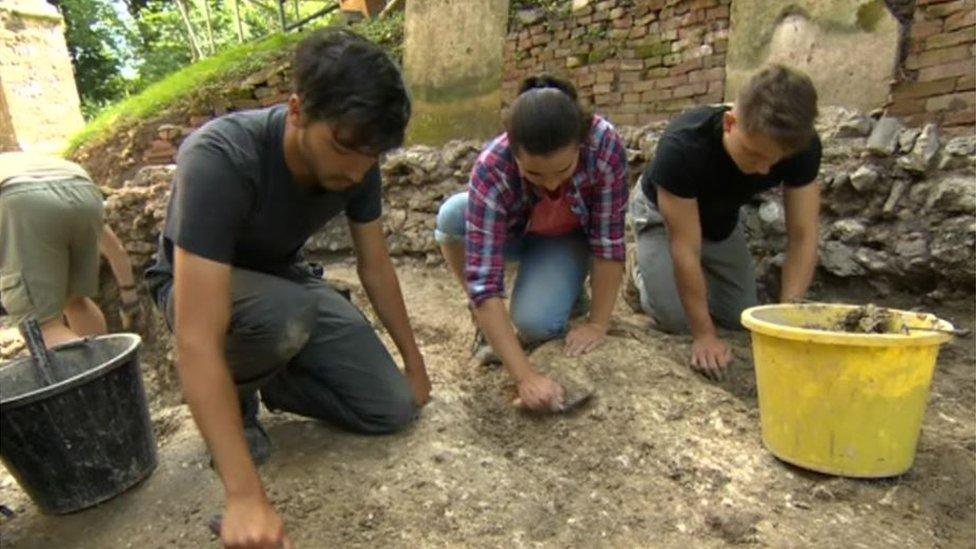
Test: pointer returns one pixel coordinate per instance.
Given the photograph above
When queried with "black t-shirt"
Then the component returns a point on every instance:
(691, 162)
(234, 200)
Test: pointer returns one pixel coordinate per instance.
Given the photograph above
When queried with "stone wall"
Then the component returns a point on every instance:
(39, 105)
(938, 83)
(899, 206)
(634, 61)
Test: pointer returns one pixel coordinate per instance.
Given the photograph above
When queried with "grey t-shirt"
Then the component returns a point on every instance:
(234, 200)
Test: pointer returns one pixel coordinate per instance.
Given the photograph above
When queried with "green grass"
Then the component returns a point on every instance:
(235, 62)
(219, 70)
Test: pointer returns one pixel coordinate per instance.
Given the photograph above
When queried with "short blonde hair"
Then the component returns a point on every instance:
(779, 102)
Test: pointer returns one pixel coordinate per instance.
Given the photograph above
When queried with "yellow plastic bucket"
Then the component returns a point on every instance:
(842, 403)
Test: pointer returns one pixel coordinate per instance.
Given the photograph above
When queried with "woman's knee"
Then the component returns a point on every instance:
(451, 218)
(536, 326)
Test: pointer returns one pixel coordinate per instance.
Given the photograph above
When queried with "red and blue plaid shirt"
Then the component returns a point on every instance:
(500, 204)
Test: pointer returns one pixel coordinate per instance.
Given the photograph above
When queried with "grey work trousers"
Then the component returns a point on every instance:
(310, 352)
(727, 265)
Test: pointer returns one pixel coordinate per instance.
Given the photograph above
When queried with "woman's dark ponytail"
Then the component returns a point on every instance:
(546, 116)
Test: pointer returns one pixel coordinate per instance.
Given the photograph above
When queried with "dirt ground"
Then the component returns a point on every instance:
(661, 458)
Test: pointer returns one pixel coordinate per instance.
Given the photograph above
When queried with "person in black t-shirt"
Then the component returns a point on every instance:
(248, 313)
(693, 267)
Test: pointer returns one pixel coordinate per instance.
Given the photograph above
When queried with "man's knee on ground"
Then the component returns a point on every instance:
(672, 321)
(286, 327)
(395, 412)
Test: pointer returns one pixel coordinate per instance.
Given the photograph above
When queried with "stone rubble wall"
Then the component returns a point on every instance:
(898, 204)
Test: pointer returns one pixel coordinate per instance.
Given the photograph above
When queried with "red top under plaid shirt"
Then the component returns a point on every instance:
(499, 205)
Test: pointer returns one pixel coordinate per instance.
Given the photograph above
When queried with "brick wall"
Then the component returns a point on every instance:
(634, 61)
(937, 83)
(264, 88)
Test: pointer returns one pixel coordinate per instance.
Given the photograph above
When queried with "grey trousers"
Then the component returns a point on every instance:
(727, 265)
(310, 352)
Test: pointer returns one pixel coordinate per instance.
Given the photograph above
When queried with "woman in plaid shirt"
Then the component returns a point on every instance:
(551, 194)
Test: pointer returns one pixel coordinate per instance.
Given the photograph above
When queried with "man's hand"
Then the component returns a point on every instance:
(540, 393)
(251, 522)
(416, 373)
(584, 338)
(710, 356)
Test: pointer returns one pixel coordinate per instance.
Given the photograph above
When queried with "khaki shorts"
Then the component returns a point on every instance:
(49, 233)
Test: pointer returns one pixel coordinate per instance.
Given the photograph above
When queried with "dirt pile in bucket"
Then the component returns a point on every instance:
(868, 319)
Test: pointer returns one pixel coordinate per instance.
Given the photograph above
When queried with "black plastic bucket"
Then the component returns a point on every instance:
(85, 438)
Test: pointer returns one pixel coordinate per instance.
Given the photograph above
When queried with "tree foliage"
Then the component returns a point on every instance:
(118, 47)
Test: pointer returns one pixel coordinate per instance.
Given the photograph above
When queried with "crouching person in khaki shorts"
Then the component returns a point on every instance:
(51, 233)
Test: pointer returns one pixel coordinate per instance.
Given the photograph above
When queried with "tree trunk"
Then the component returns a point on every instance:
(195, 51)
(237, 18)
(210, 37)
(393, 6)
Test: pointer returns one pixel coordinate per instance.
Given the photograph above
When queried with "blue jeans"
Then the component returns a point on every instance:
(550, 276)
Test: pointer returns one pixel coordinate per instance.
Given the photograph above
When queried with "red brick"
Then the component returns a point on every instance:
(621, 119)
(951, 102)
(604, 77)
(960, 117)
(632, 65)
(714, 60)
(956, 68)
(612, 98)
(945, 8)
(631, 77)
(622, 23)
(925, 28)
(689, 90)
(930, 2)
(939, 56)
(710, 98)
(906, 107)
(603, 88)
(630, 108)
(717, 73)
(638, 32)
(671, 82)
(702, 4)
(912, 90)
(960, 20)
(655, 95)
(721, 12)
(677, 104)
(965, 35)
(717, 87)
(586, 79)
(643, 85)
(687, 66)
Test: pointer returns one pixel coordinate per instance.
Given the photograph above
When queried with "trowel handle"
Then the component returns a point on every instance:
(30, 330)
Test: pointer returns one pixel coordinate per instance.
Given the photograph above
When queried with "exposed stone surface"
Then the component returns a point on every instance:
(884, 139)
(878, 220)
